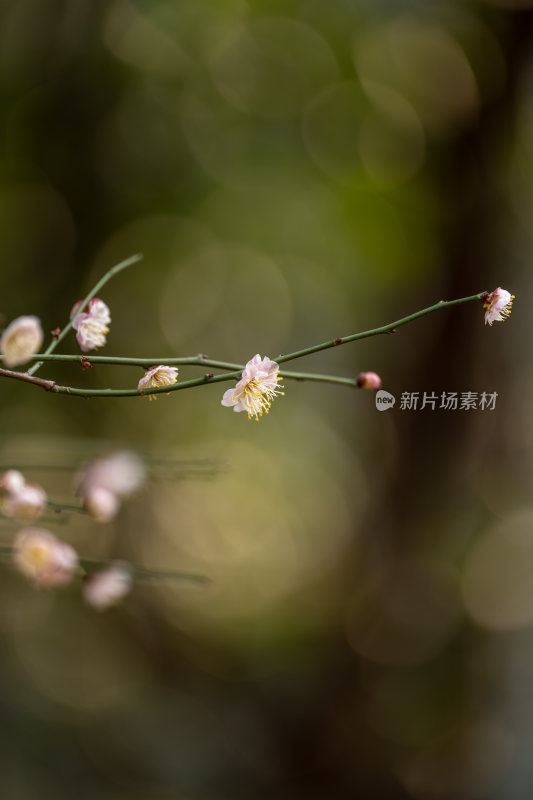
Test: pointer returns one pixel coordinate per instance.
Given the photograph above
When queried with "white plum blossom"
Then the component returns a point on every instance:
(108, 586)
(257, 388)
(157, 376)
(368, 380)
(22, 501)
(121, 473)
(42, 558)
(102, 483)
(25, 504)
(21, 340)
(497, 305)
(92, 325)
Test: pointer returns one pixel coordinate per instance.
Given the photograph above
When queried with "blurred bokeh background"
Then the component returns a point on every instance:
(292, 171)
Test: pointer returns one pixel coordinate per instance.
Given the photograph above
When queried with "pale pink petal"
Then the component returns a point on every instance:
(229, 398)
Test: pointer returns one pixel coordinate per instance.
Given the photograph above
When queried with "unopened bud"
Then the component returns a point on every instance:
(368, 380)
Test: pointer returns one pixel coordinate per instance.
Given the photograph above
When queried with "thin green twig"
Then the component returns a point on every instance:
(94, 291)
(58, 507)
(199, 360)
(90, 565)
(145, 573)
(390, 328)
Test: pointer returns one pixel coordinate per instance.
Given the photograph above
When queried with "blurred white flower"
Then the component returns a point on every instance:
(121, 473)
(368, 380)
(101, 503)
(44, 559)
(11, 480)
(92, 325)
(157, 376)
(102, 483)
(21, 340)
(26, 503)
(20, 500)
(257, 388)
(108, 586)
(497, 305)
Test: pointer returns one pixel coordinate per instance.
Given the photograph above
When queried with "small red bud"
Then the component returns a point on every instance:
(85, 363)
(55, 333)
(209, 375)
(337, 341)
(368, 380)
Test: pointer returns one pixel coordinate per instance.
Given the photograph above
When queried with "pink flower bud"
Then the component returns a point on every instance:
(44, 559)
(21, 340)
(108, 586)
(369, 380)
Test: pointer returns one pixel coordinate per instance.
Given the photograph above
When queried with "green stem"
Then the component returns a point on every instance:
(390, 328)
(142, 573)
(90, 565)
(199, 360)
(58, 507)
(94, 291)
(281, 359)
(236, 370)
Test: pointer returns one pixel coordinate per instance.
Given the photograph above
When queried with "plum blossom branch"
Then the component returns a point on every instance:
(128, 262)
(235, 369)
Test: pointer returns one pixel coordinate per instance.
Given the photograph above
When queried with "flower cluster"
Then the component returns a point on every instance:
(49, 562)
(21, 340)
(92, 324)
(105, 482)
(157, 376)
(257, 388)
(22, 501)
